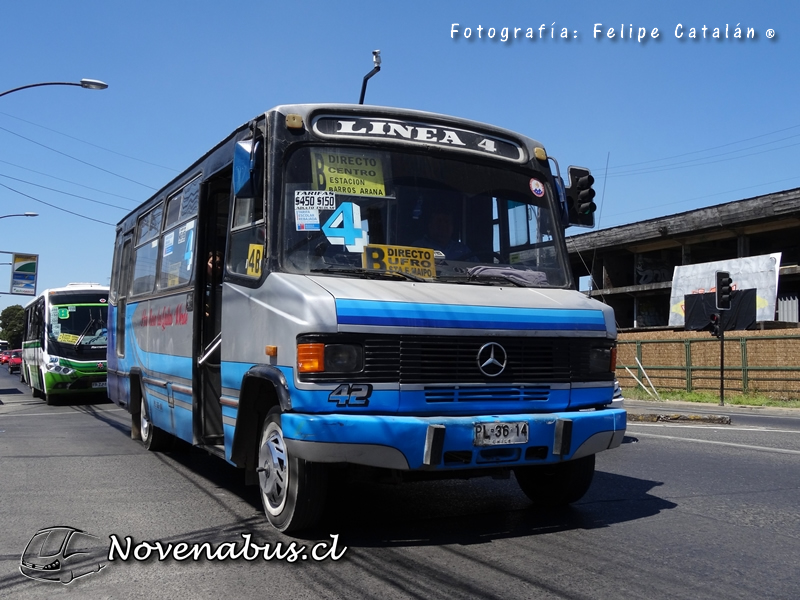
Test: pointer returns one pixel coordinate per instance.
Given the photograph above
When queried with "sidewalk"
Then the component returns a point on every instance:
(697, 412)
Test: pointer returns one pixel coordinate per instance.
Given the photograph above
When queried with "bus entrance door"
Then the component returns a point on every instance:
(209, 418)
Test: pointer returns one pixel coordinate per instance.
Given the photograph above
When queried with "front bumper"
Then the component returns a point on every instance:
(413, 443)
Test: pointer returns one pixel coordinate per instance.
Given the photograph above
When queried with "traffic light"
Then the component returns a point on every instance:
(580, 197)
(724, 289)
(715, 325)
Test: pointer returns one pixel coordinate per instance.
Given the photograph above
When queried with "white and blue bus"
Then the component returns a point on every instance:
(338, 288)
(64, 340)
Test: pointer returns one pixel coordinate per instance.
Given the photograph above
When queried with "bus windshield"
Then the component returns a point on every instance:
(75, 327)
(365, 212)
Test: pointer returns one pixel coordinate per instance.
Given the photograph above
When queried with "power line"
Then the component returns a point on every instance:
(709, 149)
(91, 144)
(56, 207)
(696, 163)
(77, 159)
(65, 193)
(738, 189)
(134, 200)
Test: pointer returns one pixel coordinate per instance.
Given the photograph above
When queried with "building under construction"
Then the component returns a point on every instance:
(631, 267)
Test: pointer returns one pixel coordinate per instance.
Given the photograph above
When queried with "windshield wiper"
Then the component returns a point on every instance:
(86, 329)
(517, 277)
(496, 277)
(368, 272)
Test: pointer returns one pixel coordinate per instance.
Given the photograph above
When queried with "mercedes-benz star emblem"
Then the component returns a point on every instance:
(492, 359)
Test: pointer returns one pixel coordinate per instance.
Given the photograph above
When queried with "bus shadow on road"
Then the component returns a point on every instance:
(481, 510)
(370, 514)
(82, 400)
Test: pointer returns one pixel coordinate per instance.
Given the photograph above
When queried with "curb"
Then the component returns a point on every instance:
(679, 418)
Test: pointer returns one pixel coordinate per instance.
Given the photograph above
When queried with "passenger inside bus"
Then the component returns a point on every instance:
(440, 236)
(213, 292)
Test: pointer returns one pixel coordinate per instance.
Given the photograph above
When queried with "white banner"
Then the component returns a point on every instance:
(759, 272)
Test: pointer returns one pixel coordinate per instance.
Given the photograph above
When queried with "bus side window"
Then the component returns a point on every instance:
(123, 283)
(178, 239)
(247, 251)
(248, 237)
(146, 254)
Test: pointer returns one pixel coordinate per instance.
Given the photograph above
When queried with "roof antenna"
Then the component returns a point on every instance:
(376, 60)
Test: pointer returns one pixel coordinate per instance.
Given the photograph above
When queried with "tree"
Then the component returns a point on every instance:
(11, 321)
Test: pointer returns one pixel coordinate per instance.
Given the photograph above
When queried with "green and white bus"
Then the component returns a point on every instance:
(64, 341)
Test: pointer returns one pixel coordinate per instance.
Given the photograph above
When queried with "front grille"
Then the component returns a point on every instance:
(85, 383)
(426, 360)
(437, 360)
(486, 393)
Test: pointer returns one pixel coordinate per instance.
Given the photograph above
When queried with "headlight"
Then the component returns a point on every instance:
(54, 368)
(602, 359)
(343, 358)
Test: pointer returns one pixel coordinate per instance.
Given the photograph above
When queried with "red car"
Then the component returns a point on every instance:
(14, 361)
(4, 355)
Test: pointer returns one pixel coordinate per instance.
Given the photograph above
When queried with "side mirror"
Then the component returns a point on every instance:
(248, 169)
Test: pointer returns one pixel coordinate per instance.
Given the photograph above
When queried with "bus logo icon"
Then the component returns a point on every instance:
(62, 554)
(492, 359)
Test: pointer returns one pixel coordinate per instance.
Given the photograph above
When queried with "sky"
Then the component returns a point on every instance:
(667, 122)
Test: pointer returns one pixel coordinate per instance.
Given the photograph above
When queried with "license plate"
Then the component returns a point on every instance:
(499, 434)
(98, 384)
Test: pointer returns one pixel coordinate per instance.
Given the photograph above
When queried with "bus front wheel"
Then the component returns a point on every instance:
(292, 489)
(559, 484)
(34, 391)
(48, 398)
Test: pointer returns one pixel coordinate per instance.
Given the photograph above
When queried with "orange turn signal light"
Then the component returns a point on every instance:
(310, 358)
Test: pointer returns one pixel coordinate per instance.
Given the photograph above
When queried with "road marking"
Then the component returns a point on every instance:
(726, 428)
(745, 446)
(61, 414)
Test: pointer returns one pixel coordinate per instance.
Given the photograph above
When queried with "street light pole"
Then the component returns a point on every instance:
(27, 214)
(89, 84)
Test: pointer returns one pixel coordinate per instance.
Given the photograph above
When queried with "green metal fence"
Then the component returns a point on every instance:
(767, 365)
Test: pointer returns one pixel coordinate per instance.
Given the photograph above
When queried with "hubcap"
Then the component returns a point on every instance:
(273, 469)
(144, 422)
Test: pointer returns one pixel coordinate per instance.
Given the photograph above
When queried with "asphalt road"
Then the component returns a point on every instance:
(679, 511)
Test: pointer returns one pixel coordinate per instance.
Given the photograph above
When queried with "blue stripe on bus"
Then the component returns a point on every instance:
(413, 314)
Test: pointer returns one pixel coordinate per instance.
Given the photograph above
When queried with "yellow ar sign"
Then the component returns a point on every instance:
(351, 173)
(402, 259)
(255, 254)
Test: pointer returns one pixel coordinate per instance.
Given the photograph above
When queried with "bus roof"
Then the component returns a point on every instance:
(77, 288)
(306, 110)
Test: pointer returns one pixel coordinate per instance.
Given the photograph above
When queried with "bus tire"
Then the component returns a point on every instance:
(292, 489)
(48, 398)
(559, 484)
(34, 392)
(153, 438)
